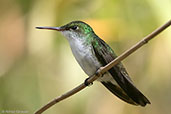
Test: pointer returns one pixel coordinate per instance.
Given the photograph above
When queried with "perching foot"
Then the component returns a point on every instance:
(87, 83)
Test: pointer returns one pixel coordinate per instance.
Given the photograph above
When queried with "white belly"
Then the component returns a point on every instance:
(85, 57)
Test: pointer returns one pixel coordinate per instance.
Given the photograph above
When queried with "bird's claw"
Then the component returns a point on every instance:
(86, 83)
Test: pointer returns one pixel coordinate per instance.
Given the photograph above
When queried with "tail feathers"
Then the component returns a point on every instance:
(128, 87)
(135, 94)
(134, 99)
(119, 92)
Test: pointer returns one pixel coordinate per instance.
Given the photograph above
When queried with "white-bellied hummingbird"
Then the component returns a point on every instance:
(91, 53)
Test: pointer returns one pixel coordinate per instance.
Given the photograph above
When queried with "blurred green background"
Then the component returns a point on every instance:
(37, 65)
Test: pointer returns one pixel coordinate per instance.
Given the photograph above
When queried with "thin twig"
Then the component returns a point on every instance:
(104, 69)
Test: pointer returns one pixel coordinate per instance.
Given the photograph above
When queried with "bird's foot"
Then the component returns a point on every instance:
(86, 83)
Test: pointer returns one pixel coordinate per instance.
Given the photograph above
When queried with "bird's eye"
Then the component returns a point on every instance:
(74, 27)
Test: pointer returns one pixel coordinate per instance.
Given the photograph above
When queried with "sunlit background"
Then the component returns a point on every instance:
(37, 65)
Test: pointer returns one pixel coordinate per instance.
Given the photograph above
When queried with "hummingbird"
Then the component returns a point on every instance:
(91, 53)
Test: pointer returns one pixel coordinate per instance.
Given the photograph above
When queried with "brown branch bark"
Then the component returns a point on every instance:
(104, 69)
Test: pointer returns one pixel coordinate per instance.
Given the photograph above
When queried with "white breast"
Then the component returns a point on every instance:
(84, 57)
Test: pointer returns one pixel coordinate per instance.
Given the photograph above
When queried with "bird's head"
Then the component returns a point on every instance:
(72, 30)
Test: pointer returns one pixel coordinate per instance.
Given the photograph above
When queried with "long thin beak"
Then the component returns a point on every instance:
(51, 28)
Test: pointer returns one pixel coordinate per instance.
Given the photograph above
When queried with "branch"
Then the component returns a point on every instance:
(104, 69)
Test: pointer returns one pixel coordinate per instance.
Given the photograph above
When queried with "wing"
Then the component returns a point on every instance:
(105, 55)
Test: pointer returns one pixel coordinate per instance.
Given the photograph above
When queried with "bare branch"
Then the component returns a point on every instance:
(104, 69)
